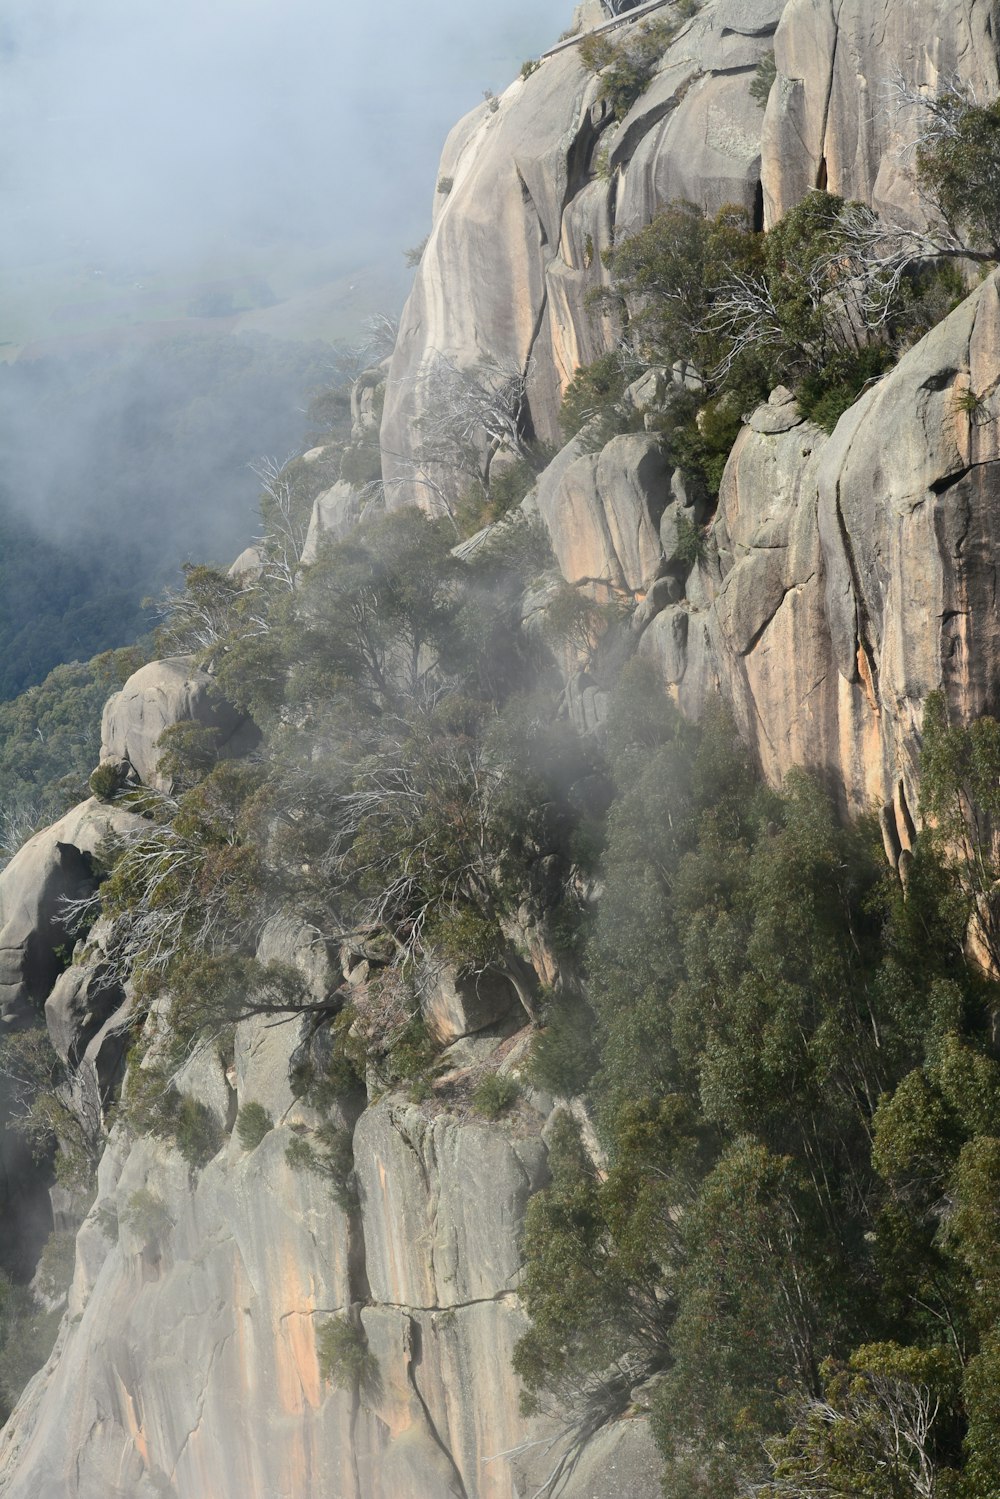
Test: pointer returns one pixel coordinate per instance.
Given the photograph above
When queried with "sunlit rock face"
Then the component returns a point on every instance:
(831, 119)
(188, 1361)
(848, 576)
(531, 193)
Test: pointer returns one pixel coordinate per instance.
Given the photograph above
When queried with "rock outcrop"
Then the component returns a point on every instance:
(849, 576)
(160, 695)
(531, 193)
(53, 866)
(188, 1363)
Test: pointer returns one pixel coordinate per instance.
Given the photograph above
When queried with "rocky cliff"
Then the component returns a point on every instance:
(844, 577)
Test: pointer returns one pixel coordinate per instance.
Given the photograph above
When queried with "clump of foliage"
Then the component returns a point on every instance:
(494, 1094)
(689, 547)
(146, 1216)
(56, 1265)
(345, 1360)
(330, 1154)
(595, 391)
(564, 1054)
(956, 167)
(762, 82)
(151, 1103)
(253, 1124)
(412, 793)
(805, 305)
(38, 1094)
(625, 64)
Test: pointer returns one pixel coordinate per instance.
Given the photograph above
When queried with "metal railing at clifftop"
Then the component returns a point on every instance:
(625, 19)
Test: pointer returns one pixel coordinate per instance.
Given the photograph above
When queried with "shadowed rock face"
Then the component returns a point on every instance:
(54, 865)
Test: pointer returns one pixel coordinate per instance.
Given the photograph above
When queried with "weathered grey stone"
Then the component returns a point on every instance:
(830, 120)
(191, 1355)
(54, 865)
(83, 998)
(517, 241)
(602, 512)
(435, 1239)
(162, 694)
(780, 414)
(335, 513)
(622, 1459)
(586, 702)
(665, 644)
(249, 564)
(455, 1004)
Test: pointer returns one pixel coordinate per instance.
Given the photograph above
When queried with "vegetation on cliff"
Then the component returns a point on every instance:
(796, 1082)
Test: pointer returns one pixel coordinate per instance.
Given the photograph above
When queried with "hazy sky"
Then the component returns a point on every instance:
(172, 125)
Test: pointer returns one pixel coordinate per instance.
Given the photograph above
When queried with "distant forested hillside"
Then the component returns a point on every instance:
(117, 464)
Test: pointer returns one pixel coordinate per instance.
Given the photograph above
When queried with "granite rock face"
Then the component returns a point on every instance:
(831, 119)
(531, 193)
(54, 865)
(848, 576)
(160, 695)
(188, 1363)
(843, 577)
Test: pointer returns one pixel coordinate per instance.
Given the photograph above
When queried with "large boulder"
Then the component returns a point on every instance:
(54, 866)
(335, 513)
(160, 695)
(602, 512)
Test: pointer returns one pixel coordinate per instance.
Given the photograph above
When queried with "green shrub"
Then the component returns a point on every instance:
(146, 1216)
(415, 254)
(412, 1052)
(361, 464)
(690, 545)
(565, 1054)
(253, 1122)
(531, 66)
(594, 391)
(824, 395)
(494, 1095)
(762, 82)
(104, 781)
(345, 1360)
(332, 1157)
(197, 1133)
(445, 185)
(326, 1077)
(57, 1265)
(626, 65)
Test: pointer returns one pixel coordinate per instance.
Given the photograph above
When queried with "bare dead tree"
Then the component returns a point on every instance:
(281, 543)
(890, 1422)
(475, 411)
